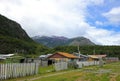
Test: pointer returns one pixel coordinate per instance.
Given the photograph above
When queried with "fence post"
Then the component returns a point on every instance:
(0, 71)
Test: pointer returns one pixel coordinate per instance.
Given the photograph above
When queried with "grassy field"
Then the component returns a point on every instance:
(43, 70)
(109, 72)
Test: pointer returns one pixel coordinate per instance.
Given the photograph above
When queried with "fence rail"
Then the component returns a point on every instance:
(14, 70)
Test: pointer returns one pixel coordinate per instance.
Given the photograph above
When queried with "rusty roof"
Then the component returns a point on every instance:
(67, 55)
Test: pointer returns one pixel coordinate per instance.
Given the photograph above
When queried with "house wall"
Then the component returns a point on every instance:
(92, 59)
(60, 59)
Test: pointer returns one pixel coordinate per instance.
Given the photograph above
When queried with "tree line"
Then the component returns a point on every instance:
(111, 51)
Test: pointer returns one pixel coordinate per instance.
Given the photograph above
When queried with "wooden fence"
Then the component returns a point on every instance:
(61, 66)
(64, 65)
(87, 63)
(14, 70)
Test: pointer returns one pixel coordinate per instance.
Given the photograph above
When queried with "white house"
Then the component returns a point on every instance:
(5, 56)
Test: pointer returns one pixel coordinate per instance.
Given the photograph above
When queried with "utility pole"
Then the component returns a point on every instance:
(79, 51)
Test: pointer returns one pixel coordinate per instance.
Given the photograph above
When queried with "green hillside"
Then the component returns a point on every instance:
(14, 39)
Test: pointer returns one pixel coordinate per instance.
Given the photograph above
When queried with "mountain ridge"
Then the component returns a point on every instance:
(12, 29)
(53, 41)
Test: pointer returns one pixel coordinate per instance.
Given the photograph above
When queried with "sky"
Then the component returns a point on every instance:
(97, 20)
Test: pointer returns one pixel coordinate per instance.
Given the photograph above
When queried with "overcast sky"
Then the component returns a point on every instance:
(98, 20)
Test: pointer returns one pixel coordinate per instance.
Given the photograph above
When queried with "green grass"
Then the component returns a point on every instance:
(46, 69)
(109, 72)
(69, 76)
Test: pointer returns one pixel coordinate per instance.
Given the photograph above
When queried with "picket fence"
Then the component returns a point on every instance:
(15, 70)
(64, 65)
(61, 66)
(87, 63)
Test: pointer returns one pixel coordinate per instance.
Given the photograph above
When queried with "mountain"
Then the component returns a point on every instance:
(12, 29)
(13, 38)
(54, 41)
(51, 41)
(80, 41)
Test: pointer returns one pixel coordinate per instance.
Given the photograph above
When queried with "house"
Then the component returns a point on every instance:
(44, 60)
(81, 57)
(96, 57)
(62, 56)
(5, 56)
(44, 57)
(26, 60)
(111, 59)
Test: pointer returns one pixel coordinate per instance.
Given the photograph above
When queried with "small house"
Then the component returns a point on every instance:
(44, 60)
(81, 57)
(96, 57)
(5, 56)
(111, 59)
(44, 57)
(62, 56)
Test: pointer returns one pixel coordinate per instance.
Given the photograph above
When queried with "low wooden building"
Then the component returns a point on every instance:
(111, 59)
(96, 57)
(62, 56)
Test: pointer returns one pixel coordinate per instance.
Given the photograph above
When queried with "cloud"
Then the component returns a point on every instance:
(58, 17)
(104, 37)
(113, 15)
(99, 23)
